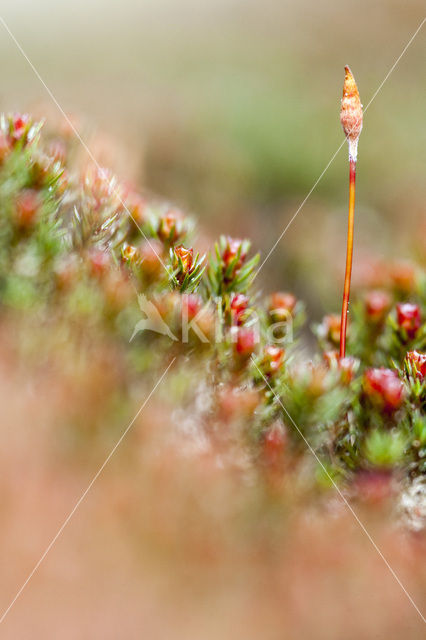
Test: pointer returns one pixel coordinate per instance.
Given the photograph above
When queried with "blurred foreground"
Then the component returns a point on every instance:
(177, 538)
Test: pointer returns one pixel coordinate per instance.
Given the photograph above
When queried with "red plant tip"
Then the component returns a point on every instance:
(20, 121)
(331, 358)
(233, 246)
(184, 258)
(408, 318)
(384, 389)
(129, 254)
(351, 113)
(19, 126)
(377, 305)
(170, 226)
(330, 328)
(233, 255)
(346, 366)
(246, 341)
(273, 358)
(417, 362)
(281, 305)
(239, 304)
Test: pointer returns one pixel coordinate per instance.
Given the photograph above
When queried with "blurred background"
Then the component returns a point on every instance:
(230, 109)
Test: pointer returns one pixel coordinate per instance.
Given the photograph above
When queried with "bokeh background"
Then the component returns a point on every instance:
(230, 109)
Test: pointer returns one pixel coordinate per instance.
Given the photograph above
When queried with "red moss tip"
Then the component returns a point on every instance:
(238, 306)
(384, 389)
(185, 256)
(417, 362)
(409, 318)
(273, 358)
(246, 341)
(377, 305)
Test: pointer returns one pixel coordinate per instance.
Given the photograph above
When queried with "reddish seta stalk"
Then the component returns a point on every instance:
(349, 255)
(351, 119)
